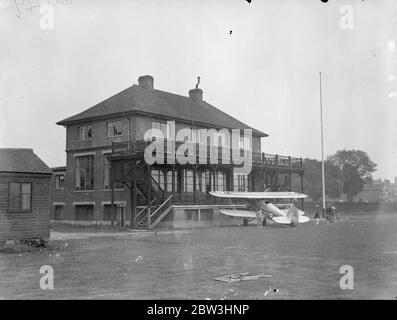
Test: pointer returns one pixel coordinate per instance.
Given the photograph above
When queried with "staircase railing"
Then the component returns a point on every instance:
(137, 217)
(159, 218)
(141, 212)
(158, 189)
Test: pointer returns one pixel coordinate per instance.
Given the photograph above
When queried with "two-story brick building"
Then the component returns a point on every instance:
(105, 148)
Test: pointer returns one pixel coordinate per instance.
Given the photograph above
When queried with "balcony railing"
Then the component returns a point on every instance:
(212, 154)
(203, 199)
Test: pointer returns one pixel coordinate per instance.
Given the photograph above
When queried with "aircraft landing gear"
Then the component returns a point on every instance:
(264, 222)
(245, 221)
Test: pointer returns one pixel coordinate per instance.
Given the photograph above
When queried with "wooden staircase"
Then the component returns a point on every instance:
(156, 216)
(157, 194)
(159, 206)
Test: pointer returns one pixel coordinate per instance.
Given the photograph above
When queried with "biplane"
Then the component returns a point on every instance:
(285, 213)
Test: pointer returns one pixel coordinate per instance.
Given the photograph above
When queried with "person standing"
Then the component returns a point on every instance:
(337, 215)
(317, 214)
(259, 219)
(328, 213)
(333, 214)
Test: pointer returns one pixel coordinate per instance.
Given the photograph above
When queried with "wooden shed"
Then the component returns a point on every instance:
(24, 195)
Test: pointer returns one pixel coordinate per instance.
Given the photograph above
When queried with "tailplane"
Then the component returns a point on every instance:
(296, 216)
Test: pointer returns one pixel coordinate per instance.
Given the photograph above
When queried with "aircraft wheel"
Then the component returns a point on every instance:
(245, 221)
(264, 222)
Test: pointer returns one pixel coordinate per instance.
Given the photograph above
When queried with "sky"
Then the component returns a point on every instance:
(258, 61)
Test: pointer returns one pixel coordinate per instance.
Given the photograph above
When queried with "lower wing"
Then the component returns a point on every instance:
(252, 214)
(239, 213)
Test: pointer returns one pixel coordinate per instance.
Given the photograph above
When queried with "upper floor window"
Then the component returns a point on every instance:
(85, 133)
(211, 137)
(244, 143)
(85, 172)
(20, 197)
(163, 127)
(59, 180)
(192, 135)
(113, 128)
(241, 143)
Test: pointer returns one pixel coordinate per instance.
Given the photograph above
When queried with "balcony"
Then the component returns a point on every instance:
(212, 155)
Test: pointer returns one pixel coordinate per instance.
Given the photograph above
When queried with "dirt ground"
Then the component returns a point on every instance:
(304, 262)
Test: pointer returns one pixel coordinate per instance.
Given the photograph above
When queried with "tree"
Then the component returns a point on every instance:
(353, 183)
(333, 180)
(357, 168)
(312, 181)
(357, 159)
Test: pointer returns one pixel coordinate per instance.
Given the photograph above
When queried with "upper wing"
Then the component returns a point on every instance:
(258, 195)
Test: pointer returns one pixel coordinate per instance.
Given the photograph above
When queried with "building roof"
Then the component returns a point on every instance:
(57, 169)
(373, 187)
(137, 99)
(22, 161)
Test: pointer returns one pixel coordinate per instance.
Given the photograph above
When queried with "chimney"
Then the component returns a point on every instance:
(196, 94)
(146, 82)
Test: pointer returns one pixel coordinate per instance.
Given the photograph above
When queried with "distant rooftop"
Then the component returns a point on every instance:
(22, 161)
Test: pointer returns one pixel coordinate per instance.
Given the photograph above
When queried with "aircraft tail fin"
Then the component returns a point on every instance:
(293, 214)
(296, 215)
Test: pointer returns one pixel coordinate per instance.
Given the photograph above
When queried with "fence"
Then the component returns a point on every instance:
(356, 207)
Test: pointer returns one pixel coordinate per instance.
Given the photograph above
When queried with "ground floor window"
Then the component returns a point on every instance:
(240, 182)
(20, 197)
(169, 180)
(206, 180)
(221, 181)
(192, 215)
(200, 180)
(106, 175)
(85, 172)
(199, 214)
(158, 176)
(109, 214)
(206, 214)
(84, 212)
(187, 180)
(58, 212)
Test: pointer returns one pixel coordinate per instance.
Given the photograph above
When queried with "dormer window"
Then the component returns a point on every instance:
(113, 129)
(85, 133)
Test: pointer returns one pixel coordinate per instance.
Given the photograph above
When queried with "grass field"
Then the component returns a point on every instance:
(304, 263)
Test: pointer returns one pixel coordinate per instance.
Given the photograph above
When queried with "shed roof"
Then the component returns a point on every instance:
(21, 160)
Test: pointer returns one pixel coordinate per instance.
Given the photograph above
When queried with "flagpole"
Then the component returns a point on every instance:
(322, 147)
